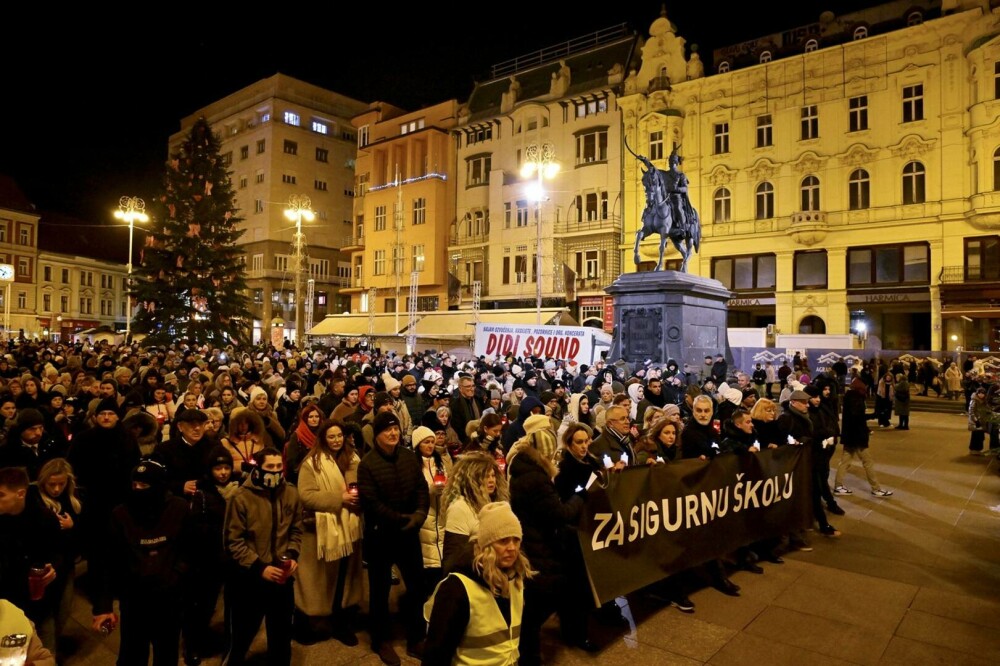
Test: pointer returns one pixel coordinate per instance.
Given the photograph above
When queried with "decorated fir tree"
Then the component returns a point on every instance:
(190, 285)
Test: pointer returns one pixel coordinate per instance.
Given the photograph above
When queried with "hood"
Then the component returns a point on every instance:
(529, 403)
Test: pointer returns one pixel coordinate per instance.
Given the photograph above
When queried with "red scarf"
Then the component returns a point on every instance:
(305, 435)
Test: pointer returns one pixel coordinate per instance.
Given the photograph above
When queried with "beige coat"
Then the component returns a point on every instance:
(316, 581)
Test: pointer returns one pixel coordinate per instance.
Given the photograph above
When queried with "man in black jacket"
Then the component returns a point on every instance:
(185, 453)
(395, 499)
(465, 407)
(28, 445)
(150, 549)
(796, 426)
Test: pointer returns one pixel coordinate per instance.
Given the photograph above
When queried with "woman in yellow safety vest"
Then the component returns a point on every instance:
(474, 615)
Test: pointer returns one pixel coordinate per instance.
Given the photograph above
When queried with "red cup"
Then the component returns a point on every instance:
(285, 563)
(439, 479)
(36, 588)
(717, 426)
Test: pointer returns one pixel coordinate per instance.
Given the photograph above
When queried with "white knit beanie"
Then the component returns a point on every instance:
(497, 521)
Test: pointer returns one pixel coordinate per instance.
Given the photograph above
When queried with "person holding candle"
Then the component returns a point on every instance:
(436, 465)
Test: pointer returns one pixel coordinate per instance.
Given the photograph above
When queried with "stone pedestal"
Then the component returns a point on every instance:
(666, 315)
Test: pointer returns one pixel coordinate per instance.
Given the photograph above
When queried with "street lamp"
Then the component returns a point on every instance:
(131, 210)
(299, 208)
(539, 160)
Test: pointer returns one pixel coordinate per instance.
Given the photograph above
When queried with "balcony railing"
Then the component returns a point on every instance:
(466, 239)
(353, 241)
(609, 225)
(957, 275)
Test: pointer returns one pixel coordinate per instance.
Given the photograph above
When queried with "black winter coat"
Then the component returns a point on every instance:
(545, 517)
(183, 461)
(393, 491)
(574, 472)
(698, 440)
(854, 430)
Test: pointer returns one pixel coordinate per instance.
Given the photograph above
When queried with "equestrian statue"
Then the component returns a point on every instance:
(668, 210)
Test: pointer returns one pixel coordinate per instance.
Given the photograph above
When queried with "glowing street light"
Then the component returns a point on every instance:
(131, 210)
(539, 160)
(299, 208)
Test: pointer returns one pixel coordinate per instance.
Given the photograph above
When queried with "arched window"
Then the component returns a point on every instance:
(812, 45)
(663, 72)
(861, 32)
(765, 56)
(914, 18)
(859, 188)
(812, 325)
(723, 67)
(913, 183)
(723, 205)
(996, 169)
(765, 201)
(810, 193)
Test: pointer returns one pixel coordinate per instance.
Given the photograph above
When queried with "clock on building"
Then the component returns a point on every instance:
(6, 272)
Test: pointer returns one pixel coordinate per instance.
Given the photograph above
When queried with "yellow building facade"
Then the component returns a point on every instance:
(403, 206)
(846, 173)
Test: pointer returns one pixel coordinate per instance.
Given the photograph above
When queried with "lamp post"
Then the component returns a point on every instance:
(539, 160)
(131, 210)
(299, 208)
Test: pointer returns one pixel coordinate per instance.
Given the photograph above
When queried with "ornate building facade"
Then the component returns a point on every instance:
(847, 172)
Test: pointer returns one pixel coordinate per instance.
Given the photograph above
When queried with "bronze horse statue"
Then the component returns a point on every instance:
(668, 211)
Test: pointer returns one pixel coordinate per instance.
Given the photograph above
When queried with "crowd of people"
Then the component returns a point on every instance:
(279, 480)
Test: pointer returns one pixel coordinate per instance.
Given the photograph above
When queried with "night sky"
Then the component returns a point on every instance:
(90, 98)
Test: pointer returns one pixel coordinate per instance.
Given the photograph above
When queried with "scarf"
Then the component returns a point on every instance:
(305, 435)
(335, 534)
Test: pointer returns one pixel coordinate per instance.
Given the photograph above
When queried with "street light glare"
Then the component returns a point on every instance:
(535, 191)
(528, 169)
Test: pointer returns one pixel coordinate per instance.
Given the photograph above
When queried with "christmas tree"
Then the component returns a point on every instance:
(190, 285)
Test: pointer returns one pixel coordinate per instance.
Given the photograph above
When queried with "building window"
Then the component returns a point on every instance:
(322, 155)
(320, 128)
(47, 302)
(47, 273)
(261, 144)
(592, 147)
(291, 147)
(412, 126)
(258, 205)
(722, 205)
(996, 170)
(258, 296)
(765, 131)
(861, 32)
(3, 232)
(258, 177)
(723, 67)
(588, 265)
(913, 183)
(812, 45)
(291, 118)
(477, 170)
(23, 267)
(319, 185)
(507, 214)
(996, 80)
(475, 135)
(858, 113)
(65, 276)
(752, 272)
(380, 218)
(288, 179)
(765, 56)
(765, 201)
(522, 213)
(281, 262)
(418, 257)
(86, 279)
(913, 103)
(227, 158)
(888, 265)
(656, 145)
(810, 122)
(243, 182)
(810, 270)
(858, 188)
(86, 305)
(244, 152)
(982, 258)
(810, 193)
(24, 236)
(22, 301)
(257, 263)
(362, 136)
(419, 210)
(721, 138)
(591, 107)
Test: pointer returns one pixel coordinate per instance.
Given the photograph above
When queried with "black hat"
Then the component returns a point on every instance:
(29, 418)
(381, 399)
(150, 472)
(813, 390)
(191, 416)
(220, 455)
(383, 421)
(107, 405)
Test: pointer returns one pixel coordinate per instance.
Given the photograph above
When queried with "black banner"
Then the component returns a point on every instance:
(651, 522)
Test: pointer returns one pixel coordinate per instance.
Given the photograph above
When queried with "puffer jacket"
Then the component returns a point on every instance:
(432, 531)
(262, 525)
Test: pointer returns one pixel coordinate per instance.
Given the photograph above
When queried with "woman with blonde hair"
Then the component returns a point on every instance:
(329, 573)
(246, 437)
(56, 489)
(475, 481)
(764, 416)
(475, 614)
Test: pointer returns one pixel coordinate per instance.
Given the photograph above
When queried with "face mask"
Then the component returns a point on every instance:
(266, 479)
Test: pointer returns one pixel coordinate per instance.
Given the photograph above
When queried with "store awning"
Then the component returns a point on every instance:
(357, 326)
(461, 323)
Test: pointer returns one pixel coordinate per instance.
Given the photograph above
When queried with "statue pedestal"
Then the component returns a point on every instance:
(664, 315)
